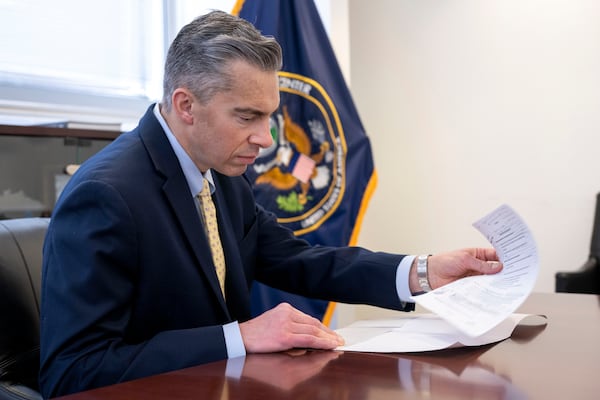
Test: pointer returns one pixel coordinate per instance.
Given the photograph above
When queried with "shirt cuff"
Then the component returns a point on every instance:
(402, 279)
(233, 340)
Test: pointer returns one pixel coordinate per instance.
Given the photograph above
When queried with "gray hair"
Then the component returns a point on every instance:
(199, 57)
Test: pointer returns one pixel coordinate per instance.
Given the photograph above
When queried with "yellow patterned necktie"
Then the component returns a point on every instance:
(209, 214)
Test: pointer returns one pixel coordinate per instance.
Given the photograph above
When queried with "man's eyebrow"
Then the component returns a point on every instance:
(253, 111)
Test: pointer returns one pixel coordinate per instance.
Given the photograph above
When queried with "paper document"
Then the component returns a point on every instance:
(476, 304)
(471, 311)
(422, 332)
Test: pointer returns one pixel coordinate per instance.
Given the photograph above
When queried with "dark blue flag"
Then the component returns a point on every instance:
(318, 176)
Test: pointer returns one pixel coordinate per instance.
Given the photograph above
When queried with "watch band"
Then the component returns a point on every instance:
(422, 273)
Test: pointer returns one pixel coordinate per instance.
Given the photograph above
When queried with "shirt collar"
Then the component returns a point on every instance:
(192, 174)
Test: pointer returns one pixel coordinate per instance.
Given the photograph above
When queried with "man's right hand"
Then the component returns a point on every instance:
(285, 327)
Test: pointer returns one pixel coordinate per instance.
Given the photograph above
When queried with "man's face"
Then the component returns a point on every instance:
(228, 131)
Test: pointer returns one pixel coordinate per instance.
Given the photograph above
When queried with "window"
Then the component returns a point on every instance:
(98, 61)
(79, 55)
(103, 47)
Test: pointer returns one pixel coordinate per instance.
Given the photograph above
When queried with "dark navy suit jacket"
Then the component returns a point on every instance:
(128, 283)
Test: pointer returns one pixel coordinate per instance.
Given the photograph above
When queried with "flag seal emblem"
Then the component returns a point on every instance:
(301, 177)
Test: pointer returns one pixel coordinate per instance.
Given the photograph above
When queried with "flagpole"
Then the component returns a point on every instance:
(237, 7)
(363, 208)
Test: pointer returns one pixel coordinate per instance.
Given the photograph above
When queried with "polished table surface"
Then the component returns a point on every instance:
(559, 360)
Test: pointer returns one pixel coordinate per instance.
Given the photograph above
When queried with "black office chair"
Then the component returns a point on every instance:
(20, 276)
(587, 278)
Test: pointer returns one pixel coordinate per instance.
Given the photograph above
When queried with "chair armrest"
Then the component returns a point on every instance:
(14, 392)
(585, 280)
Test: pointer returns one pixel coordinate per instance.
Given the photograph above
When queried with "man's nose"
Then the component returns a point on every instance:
(263, 137)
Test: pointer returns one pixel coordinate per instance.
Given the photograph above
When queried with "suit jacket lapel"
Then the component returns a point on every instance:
(177, 192)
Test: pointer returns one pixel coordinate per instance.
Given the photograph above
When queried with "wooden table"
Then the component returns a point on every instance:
(560, 360)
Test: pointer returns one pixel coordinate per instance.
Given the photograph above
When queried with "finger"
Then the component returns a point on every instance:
(324, 342)
(485, 267)
(308, 327)
(486, 254)
(318, 331)
(308, 331)
(492, 267)
(302, 318)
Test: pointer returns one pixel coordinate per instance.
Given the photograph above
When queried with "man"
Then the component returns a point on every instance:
(130, 287)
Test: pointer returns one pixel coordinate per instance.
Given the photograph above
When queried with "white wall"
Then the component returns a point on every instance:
(470, 104)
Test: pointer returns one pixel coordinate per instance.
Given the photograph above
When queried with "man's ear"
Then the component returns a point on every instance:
(182, 101)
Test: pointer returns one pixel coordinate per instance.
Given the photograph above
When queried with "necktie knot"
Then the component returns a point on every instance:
(205, 192)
